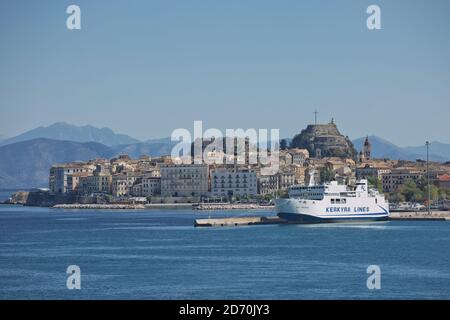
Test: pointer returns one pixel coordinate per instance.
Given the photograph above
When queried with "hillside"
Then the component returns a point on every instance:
(382, 148)
(27, 164)
(67, 132)
(155, 149)
(324, 139)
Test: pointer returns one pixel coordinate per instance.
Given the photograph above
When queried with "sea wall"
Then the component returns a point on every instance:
(46, 199)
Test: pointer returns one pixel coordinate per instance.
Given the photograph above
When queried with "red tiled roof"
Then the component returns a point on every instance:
(444, 177)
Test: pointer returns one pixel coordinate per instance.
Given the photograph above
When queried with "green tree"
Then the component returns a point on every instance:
(283, 144)
(434, 193)
(375, 183)
(326, 175)
(411, 192)
(396, 197)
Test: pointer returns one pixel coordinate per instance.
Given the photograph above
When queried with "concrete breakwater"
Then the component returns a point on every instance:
(124, 206)
(435, 215)
(46, 199)
(99, 206)
(232, 206)
(238, 221)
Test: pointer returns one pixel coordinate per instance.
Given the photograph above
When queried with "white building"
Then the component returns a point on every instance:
(367, 171)
(299, 156)
(184, 180)
(395, 180)
(59, 181)
(147, 186)
(100, 182)
(232, 182)
(122, 184)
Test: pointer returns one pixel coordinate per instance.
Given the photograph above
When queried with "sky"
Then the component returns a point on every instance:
(146, 68)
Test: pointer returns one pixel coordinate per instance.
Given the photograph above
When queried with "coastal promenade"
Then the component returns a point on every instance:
(125, 206)
(420, 215)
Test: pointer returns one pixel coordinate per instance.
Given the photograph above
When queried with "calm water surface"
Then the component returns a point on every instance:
(158, 254)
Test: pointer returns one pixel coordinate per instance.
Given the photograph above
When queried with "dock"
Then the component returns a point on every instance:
(238, 221)
(232, 206)
(420, 216)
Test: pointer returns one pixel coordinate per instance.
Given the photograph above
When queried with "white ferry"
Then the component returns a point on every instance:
(332, 202)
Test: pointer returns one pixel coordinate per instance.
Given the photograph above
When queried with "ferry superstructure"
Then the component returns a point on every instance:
(332, 202)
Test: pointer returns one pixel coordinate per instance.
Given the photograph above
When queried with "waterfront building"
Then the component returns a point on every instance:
(75, 181)
(299, 172)
(59, 176)
(233, 182)
(444, 181)
(285, 179)
(282, 180)
(146, 186)
(394, 180)
(99, 182)
(184, 180)
(267, 184)
(367, 171)
(151, 186)
(122, 184)
(298, 156)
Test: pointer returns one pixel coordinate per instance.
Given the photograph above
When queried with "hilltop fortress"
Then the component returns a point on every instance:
(324, 140)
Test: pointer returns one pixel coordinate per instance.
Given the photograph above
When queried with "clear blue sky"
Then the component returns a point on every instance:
(147, 67)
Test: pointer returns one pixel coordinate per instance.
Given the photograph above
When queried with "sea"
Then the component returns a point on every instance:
(159, 254)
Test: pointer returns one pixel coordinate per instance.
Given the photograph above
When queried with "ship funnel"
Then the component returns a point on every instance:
(361, 186)
(313, 177)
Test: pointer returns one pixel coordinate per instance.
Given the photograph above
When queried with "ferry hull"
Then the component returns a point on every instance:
(309, 219)
(301, 211)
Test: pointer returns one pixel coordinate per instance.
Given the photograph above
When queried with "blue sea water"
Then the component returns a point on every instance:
(156, 254)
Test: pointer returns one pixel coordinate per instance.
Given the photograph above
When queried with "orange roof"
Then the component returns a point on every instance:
(444, 177)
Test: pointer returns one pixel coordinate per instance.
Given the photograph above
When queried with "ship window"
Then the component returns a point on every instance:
(344, 201)
(332, 201)
(338, 201)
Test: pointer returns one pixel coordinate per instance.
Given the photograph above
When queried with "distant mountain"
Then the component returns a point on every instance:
(68, 132)
(437, 148)
(26, 164)
(382, 148)
(165, 140)
(155, 148)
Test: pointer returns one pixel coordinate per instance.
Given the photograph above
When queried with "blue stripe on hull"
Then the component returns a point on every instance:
(304, 218)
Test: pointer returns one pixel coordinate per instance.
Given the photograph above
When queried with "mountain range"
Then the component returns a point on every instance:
(25, 160)
(69, 132)
(26, 164)
(382, 148)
